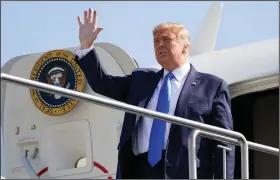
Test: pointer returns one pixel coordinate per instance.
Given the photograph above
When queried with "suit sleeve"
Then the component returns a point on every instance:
(222, 117)
(114, 87)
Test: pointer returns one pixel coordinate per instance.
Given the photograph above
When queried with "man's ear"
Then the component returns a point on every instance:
(185, 47)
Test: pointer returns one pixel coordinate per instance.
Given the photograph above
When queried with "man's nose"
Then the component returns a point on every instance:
(161, 44)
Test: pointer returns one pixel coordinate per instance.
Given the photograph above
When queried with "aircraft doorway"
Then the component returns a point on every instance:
(256, 116)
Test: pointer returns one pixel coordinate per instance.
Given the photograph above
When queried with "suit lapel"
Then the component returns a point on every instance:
(189, 86)
(151, 85)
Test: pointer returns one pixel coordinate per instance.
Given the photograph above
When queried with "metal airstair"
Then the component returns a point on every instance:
(199, 129)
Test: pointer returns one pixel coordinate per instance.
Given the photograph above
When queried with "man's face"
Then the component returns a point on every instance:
(168, 49)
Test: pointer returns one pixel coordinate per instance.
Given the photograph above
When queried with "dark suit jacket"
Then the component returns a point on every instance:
(204, 98)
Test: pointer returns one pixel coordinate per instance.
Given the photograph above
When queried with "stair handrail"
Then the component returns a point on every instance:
(137, 110)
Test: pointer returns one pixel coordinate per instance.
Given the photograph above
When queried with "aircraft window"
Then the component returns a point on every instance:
(81, 163)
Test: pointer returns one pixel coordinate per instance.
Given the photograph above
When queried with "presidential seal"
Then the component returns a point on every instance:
(57, 68)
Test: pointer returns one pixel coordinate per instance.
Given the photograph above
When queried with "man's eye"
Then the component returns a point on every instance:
(167, 39)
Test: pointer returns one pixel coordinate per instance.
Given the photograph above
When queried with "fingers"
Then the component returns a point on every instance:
(85, 17)
(90, 16)
(94, 19)
(79, 21)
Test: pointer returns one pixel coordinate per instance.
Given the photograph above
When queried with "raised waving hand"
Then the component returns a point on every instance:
(88, 31)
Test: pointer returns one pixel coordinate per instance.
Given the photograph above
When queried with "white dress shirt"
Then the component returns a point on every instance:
(141, 139)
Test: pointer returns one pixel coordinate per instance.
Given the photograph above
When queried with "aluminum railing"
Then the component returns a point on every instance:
(223, 133)
(192, 150)
(225, 149)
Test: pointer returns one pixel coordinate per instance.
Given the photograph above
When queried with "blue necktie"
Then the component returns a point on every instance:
(158, 128)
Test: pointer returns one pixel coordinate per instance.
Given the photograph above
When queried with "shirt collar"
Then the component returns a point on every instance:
(180, 72)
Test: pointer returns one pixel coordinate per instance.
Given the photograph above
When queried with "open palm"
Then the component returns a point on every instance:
(88, 31)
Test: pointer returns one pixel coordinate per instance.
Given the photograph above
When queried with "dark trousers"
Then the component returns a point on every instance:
(138, 167)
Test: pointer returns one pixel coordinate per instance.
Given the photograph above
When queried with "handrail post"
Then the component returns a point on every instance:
(225, 149)
(192, 154)
(192, 151)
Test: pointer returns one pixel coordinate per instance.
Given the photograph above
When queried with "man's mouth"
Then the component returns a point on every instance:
(161, 53)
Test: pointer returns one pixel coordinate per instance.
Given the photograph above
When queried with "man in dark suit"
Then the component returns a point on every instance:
(151, 148)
